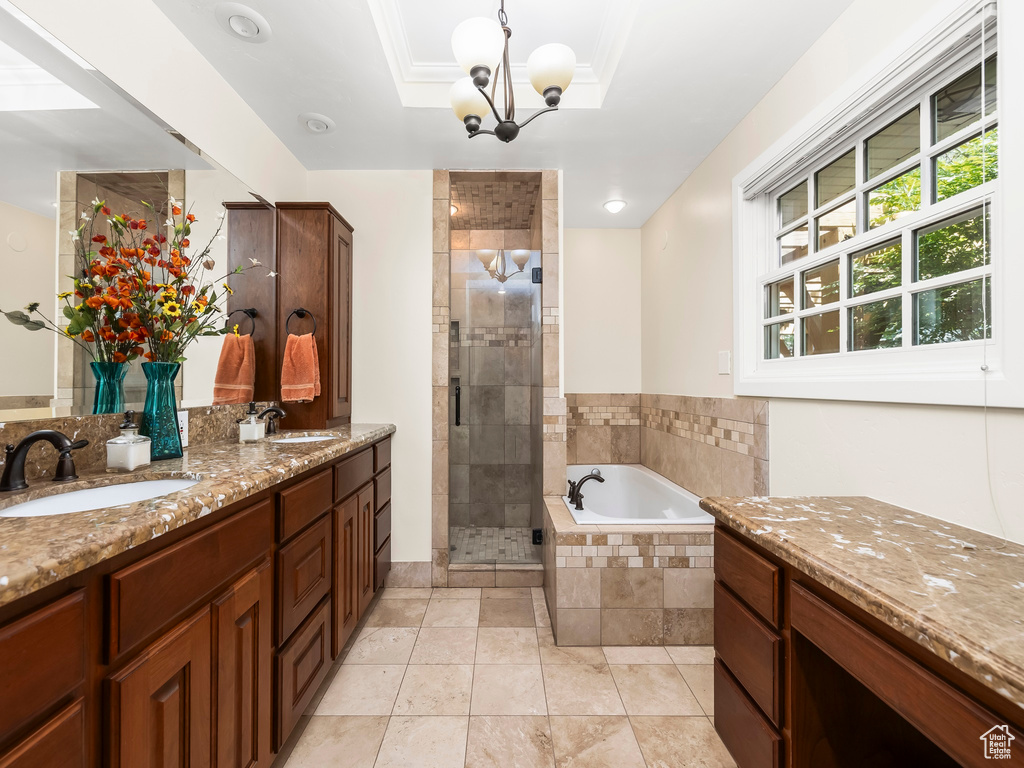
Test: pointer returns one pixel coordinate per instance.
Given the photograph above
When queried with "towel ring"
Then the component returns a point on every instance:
(249, 312)
(301, 312)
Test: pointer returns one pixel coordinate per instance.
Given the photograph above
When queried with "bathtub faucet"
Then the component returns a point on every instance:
(575, 489)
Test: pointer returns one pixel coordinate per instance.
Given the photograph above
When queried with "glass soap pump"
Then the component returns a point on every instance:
(250, 428)
(129, 450)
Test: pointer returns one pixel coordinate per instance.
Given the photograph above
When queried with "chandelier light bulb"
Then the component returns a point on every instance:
(486, 257)
(614, 206)
(551, 66)
(478, 42)
(467, 100)
(455, 209)
(520, 257)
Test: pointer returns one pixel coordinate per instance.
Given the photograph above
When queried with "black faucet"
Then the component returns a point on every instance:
(14, 468)
(575, 495)
(272, 414)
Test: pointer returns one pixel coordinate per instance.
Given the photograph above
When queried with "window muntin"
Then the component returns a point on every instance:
(780, 298)
(877, 269)
(779, 339)
(821, 285)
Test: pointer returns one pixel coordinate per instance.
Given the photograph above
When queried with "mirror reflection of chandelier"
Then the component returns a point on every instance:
(497, 265)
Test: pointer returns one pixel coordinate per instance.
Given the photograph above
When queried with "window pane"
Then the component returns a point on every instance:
(959, 104)
(821, 285)
(894, 199)
(878, 325)
(877, 269)
(963, 167)
(778, 340)
(835, 179)
(953, 313)
(895, 143)
(793, 205)
(837, 225)
(954, 245)
(821, 333)
(780, 298)
(793, 245)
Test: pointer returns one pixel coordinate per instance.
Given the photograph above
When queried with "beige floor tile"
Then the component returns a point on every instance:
(595, 742)
(342, 742)
(424, 742)
(581, 689)
(516, 612)
(445, 645)
(456, 593)
(507, 645)
(652, 689)
(406, 593)
(691, 654)
(508, 689)
(509, 742)
(383, 645)
(664, 739)
(701, 679)
(579, 654)
(362, 690)
(397, 613)
(540, 613)
(507, 593)
(636, 654)
(435, 689)
(452, 613)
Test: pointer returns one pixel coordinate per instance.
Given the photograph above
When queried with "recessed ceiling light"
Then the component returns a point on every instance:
(242, 22)
(316, 123)
(614, 206)
(455, 209)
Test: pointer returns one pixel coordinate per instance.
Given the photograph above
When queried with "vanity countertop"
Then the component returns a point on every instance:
(37, 551)
(957, 592)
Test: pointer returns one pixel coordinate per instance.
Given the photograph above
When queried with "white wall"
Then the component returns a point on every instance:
(930, 459)
(601, 316)
(391, 212)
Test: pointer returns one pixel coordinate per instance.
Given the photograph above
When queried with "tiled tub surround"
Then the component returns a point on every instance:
(956, 592)
(39, 551)
(603, 428)
(627, 585)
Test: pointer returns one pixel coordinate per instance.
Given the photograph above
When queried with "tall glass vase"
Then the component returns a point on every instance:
(109, 396)
(160, 416)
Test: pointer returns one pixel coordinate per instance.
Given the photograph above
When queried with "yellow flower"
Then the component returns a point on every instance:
(169, 291)
(228, 289)
(167, 295)
(172, 308)
(235, 330)
(64, 295)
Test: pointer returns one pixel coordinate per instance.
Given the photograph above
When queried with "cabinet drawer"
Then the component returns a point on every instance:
(382, 488)
(302, 666)
(352, 473)
(303, 503)
(749, 575)
(304, 575)
(751, 739)
(382, 455)
(381, 527)
(750, 650)
(152, 593)
(59, 743)
(381, 565)
(43, 660)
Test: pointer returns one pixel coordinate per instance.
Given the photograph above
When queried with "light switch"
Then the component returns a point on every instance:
(724, 363)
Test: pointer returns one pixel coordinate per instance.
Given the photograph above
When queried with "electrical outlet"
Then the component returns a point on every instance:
(724, 363)
(183, 427)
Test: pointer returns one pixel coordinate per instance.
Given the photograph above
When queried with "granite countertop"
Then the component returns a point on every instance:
(957, 592)
(37, 551)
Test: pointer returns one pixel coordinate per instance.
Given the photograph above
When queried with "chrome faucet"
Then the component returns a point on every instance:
(575, 495)
(272, 414)
(14, 467)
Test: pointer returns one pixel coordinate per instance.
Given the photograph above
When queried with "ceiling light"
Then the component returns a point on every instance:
(243, 26)
(242, 22)
(455, 209)
(614, 206)
(481, 48)
(316, 123)
(497, 265)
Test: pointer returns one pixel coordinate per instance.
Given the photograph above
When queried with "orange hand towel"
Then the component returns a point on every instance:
(236, 371)
(300, 372)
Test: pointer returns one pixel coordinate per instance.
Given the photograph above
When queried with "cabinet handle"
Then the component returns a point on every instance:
(458, 405)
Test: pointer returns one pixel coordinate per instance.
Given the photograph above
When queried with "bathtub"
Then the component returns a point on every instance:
(633, 495)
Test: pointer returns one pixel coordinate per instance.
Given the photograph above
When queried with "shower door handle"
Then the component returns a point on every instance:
(458, 405)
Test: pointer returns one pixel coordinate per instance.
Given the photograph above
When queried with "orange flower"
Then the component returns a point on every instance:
(137, 350)
(190, 218)
(105, 210)
(176, 211)
(166, 335)
(99, 238)
(120, 357)
(113, 303)
(88, 336)
(185, 243)
(142, 224)
(150, 356)
(94, 302)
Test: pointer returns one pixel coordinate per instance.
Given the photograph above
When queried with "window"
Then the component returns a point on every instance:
(868, 268)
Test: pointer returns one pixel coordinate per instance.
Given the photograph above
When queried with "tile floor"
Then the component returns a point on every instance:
(492, 545)
(468, 678)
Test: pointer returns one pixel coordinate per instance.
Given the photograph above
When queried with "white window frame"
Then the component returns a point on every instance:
(948, 373)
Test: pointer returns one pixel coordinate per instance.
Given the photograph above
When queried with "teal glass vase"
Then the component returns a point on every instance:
(109, 397)
(160, 415)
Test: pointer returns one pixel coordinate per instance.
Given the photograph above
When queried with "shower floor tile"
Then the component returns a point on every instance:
(469, 544)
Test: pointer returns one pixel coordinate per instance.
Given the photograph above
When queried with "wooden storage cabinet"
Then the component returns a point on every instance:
(302, 666)
(346, 555)
(304, 576)
(58, 742)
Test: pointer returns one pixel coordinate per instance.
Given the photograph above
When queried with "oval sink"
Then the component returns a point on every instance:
(88, 499)
(306, 439)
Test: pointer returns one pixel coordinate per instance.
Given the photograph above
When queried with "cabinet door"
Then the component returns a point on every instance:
(59, 743)
(341, 321)
(161, 702)
(364, 555)
(242, 618)
(346, 604)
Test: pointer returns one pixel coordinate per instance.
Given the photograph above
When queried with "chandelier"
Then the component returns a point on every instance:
(497, 265)
(481, 48)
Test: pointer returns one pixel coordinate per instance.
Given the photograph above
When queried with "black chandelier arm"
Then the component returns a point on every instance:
(490, 103)
(478, 133)
(537, 113)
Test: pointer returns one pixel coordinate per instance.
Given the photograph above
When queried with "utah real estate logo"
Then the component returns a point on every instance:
(997, 743)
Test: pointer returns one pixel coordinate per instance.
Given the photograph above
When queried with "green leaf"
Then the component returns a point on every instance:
(34, 325)
(69, 313)
(76, 326)
(18, 317)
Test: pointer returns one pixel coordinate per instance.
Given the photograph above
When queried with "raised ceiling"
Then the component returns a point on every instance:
(687, 72)
(507, 203)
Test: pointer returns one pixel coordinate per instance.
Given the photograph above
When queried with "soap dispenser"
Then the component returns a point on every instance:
(250, 428)
(130, 450)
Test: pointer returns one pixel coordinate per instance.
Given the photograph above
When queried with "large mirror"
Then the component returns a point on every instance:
(69, 137)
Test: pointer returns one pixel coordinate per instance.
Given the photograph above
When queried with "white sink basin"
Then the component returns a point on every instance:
(97, 498)
(307, 439)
